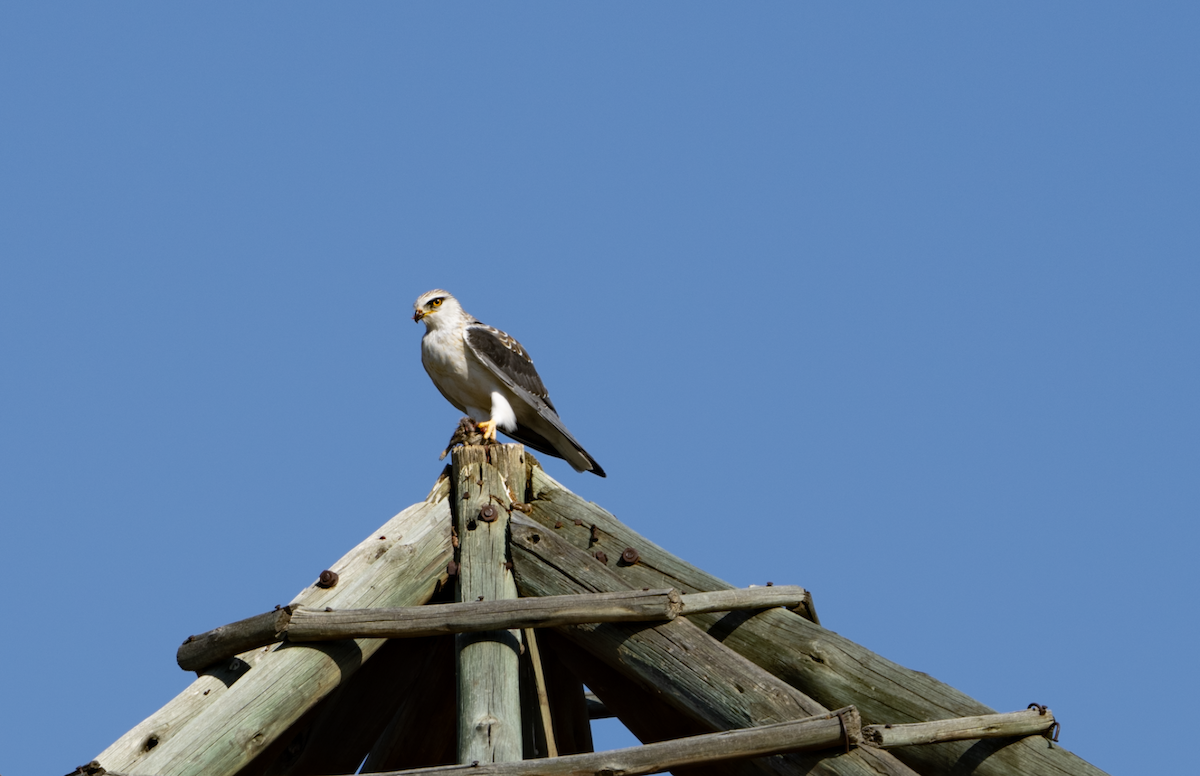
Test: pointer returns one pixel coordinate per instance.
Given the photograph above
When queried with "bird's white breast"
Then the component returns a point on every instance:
(465, 382)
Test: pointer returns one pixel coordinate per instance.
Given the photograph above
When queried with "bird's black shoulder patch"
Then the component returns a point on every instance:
(508, 356)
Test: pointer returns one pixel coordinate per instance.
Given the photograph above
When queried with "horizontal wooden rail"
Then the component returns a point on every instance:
(839, 728)
(200, 652)
(507, 614)
(1015, 724)
(300, 624)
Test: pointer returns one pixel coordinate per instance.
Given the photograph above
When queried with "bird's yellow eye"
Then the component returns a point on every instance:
(436, 302)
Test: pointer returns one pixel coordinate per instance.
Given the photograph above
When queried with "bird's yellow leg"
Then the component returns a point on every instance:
(488, 427)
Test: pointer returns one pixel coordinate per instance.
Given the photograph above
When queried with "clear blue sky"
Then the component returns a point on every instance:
(898, 303)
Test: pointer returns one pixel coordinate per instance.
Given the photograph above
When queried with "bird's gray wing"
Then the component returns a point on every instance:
(505, 357)
(508, 360)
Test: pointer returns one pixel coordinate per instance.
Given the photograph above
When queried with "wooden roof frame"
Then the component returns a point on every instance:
(495, 526)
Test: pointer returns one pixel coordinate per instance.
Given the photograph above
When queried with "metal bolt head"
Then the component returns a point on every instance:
(488, 513)
(630, 555)
(327, 579)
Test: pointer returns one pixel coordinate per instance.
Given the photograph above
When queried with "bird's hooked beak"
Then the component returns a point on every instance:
(418, 315)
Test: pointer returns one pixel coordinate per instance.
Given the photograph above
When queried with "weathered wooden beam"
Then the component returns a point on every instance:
(222, 643)
(689, 669)
(473, 616)
(301, 624)
(596, 708)
(542, 695)
(803, 735)
(1030, 722)
(569, 707)
(485, 483)
(234, 711)
(832, 669)
(642, 710)
(786, 596)
(341, 730)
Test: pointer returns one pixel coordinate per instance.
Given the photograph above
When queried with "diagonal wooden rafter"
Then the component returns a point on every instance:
(234, 712)
(830, 668)
(690, 670)
(302, 623)
(276, 709)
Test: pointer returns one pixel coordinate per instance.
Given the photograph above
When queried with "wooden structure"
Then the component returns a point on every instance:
(465, 629)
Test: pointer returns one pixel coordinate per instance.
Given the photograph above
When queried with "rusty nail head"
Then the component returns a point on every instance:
(600, 556)
(558, 524)
(770, 584)
(595, 534)
(488, 513)
(508, 565)
(578, 521)
(630, 555)
(452, 568)
(327, 579)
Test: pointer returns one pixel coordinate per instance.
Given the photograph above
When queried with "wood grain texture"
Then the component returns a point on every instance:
(199, 652)
(233, 712)
(471, 616)
(1030, 722)
(568, 700)
(484, 484)
(831, 669)
(688, 669)
(640, 709)
(823, 732)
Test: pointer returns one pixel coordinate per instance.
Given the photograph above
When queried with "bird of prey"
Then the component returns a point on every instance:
(488, 375)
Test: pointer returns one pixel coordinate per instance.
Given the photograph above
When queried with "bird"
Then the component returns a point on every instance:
(486, 374)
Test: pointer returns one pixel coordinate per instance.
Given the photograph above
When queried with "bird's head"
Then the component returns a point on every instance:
(435, 308)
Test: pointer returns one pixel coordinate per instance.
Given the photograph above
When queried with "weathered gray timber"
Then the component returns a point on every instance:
(802, 735)
(642, 710)
(1030, 722)
(786, 596)
(199, 652)
(540, 693)
(308, 624)
(693, 672)
(471, 616)
(833, 670)
(485, 482)
(336, 734)
(214, 728)
(569, 706)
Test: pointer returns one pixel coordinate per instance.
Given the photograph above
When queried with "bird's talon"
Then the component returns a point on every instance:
(488, 429)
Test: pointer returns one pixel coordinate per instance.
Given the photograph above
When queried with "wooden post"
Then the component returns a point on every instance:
(485, 482)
